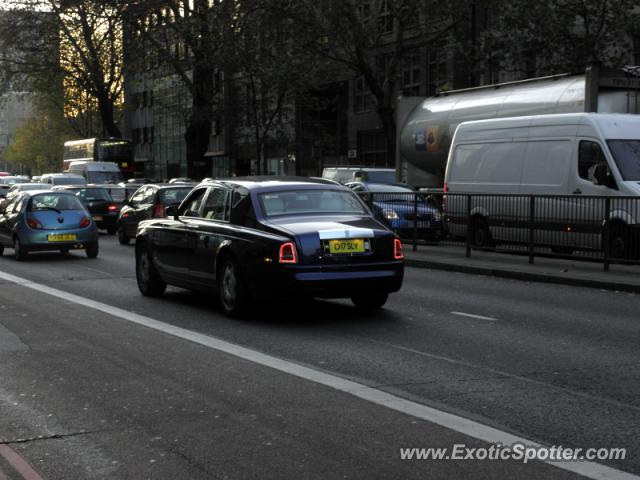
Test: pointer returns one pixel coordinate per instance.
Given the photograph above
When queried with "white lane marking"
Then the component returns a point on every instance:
(477, 317)
(450, 421)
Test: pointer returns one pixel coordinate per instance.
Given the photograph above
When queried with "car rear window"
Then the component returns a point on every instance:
(310, 202)
(93, 194)
(57, 201)
(172, 196)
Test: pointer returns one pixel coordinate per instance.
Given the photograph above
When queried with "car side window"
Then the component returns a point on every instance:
(10, 206)
(148, 195)
(216, 206)
(137, 197)
(242, 209)
(590, 155)
(190, 207)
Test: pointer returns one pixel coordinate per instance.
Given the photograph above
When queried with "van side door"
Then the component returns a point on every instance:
(587, 215)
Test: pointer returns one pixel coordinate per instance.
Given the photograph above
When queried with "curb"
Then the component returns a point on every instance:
(524, 276)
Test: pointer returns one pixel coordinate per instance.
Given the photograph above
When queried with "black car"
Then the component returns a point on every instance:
(149, 201)
(103, 208)
(257, 239)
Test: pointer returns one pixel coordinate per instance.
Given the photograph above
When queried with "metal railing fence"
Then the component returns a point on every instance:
(604, 229)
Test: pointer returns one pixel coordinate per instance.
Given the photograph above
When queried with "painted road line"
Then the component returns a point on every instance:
(477, 317)
(20, 464)
(447, 420)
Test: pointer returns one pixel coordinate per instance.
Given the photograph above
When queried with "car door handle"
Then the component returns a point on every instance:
(577, 191)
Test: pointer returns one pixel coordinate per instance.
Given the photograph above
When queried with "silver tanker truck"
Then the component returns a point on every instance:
(426, 126)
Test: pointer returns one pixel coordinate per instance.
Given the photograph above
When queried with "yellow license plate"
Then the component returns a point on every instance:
(61, 238)
(346, 246)
(97, 218)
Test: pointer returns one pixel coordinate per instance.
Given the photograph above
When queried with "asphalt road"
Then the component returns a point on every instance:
(554, 364)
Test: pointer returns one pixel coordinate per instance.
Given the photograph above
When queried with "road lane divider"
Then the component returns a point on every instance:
(18, 463)
(447, 420)
(474, 316)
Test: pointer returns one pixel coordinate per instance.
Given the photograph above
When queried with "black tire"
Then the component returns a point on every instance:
(620, 241)
(480, 233)
(370, 300)
(112, 230)
(149, 282)
(122, 236)
(234, 298)
(19, 251)
(92, 249)
(1, 250)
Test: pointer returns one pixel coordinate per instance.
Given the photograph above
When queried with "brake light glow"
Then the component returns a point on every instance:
(85, 222)
(446, 187)
(288, 253)
(33, 223)
(113, 207)
(158, 211)
(398, 253)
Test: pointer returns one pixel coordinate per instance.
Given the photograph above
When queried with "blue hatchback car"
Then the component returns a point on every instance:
(45, 220)
(395, 206)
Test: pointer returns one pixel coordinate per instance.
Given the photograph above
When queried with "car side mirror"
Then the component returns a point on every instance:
(171, 212)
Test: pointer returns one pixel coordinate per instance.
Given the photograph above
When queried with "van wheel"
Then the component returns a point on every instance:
(480, 233)
(620, 241)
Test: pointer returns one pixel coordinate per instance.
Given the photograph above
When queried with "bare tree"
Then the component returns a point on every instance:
(553, 36)
(78, 43)
(372, 38)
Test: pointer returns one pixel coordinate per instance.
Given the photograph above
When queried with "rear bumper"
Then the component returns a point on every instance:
(107, 221)
(37, 240)
(328, 282)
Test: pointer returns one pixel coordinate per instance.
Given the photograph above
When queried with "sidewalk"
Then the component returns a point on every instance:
(551, 270)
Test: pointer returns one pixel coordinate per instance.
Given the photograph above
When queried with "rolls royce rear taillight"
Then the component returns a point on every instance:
(288, 253)
(398, 253)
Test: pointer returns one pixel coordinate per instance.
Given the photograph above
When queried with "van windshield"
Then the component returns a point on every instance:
(626, 153)
(104, 177)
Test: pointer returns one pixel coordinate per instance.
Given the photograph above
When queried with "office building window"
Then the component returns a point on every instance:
(411, 75)
(372, 149)
(361, 96)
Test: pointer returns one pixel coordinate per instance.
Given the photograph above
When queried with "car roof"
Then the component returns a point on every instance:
(272, 182)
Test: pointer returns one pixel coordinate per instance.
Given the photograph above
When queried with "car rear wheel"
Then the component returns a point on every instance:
(149, 282)
(620, 242)
(1, 250)
(19, 251)
(480, 233)
(233, 294)
(370, 301)
(112, 230)
(122, 236)
(92, 249)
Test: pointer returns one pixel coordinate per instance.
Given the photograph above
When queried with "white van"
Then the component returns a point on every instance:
(97, 172)
(583, 156)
